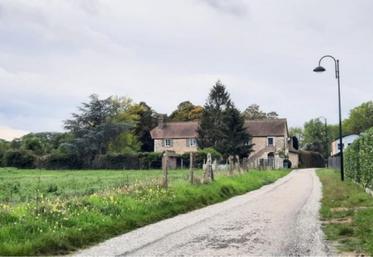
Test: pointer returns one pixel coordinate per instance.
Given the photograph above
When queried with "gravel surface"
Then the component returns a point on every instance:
(278, 219)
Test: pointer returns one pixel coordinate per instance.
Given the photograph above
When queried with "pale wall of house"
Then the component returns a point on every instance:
(294, 158)
(179, 146)
(261, 143)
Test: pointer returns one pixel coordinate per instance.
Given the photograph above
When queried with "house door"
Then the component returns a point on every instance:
(271, 159)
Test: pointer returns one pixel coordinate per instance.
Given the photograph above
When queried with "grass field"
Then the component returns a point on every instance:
(55, 212)
(347, 213)
(26, 185)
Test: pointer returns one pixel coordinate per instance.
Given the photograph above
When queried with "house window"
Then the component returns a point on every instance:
(191, 142)
(270, 141)
(248, 142)
(168, 142)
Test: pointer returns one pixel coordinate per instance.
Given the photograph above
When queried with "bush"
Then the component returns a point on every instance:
(359, 159)
(60, 161)
(116, 161)
(308, 159)
(19, 159)
(150, 160)
(200, 156)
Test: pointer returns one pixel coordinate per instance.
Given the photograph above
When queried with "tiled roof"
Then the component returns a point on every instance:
(263, 128)
(176, 130)
(188, 129)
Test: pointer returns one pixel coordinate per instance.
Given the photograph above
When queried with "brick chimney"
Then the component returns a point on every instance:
(161, 121)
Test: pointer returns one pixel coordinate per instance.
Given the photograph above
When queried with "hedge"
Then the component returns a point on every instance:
(200, 157)
(21, 159)
(308, 159)
(359, 159)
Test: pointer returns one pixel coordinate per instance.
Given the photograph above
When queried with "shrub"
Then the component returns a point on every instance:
(60, 161)
(308, 159)
(19, 159)
(359, 159)
(116, 161)
(200, 156)
(150, 160)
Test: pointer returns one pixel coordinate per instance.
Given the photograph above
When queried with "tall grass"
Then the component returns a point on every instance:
(347, 211)
(58, 225)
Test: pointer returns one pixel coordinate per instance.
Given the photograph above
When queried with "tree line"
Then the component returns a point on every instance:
(316, 135)
(115, 131)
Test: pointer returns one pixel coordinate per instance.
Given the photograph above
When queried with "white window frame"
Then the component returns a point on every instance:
(167, 142)
(273, 141)
(192, 142)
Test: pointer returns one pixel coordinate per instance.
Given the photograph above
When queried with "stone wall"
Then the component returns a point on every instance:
(261, 143)
(294, 158)
(179, 146)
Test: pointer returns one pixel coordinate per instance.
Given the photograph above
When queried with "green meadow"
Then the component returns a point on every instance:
(56, 212)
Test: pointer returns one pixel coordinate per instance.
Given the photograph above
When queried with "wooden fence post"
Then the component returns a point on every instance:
(165, 170)
(191, 172)
(230, 163)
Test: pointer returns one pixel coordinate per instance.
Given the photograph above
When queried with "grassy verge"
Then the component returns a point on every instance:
(347, 213)
(58, 225)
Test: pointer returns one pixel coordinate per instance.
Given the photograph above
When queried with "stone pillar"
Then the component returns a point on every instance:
(208, 174)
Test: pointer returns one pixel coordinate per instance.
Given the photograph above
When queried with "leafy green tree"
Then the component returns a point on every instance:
(253, 112)
(316, 137)
(360, 118)
(4, 146)
(94, 128)
(147, 121)
(186, 111)
(221, 125)
(298, 133)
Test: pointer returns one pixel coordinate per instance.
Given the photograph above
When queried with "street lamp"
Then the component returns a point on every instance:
(322, 69)
(326, 141)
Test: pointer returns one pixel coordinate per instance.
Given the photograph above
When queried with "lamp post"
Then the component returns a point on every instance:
(319, 68)
(326, 141)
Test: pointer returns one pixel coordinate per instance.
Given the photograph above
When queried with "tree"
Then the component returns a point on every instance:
(186, 111)
(316, 137)
(253, 112)
(235, 139)
(298, 133)
(95, 127)
(211, 123)
(221, 125)
(4, 146)
(360, 118)
(146, 123)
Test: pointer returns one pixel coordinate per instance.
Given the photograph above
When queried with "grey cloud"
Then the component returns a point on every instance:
(53, 54)
(233, 7)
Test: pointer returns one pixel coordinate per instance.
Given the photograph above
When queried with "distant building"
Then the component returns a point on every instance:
(347, 140)
(270, 138)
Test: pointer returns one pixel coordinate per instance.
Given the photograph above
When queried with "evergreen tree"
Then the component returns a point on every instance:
(222, 126)
(235, 140)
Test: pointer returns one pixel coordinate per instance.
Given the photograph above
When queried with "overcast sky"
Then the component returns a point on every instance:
(55, 53)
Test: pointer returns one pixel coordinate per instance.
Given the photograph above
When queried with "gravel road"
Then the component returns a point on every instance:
(278, 219)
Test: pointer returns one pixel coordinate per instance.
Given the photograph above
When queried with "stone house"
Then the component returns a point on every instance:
(178, 137)
(270, 138)
(271, 142)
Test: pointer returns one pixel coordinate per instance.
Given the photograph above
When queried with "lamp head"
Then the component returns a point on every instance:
(319, 69)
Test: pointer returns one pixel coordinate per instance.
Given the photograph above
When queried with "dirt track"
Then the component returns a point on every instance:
(278, 219)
